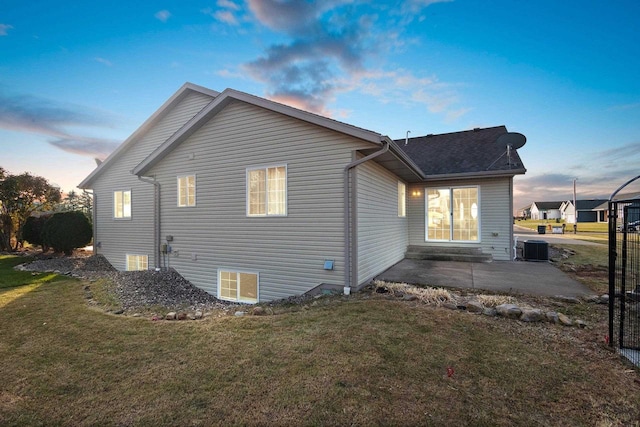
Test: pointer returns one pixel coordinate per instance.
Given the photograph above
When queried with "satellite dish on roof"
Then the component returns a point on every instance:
(513, 139)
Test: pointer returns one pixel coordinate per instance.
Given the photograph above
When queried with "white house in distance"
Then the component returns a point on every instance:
(586, 210)
(252, 200)
(546, 210)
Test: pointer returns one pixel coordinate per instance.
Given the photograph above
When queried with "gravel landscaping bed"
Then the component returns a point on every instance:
(134, 290)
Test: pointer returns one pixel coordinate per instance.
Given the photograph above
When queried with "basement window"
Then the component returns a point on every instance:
(137, 262)
(237, 286)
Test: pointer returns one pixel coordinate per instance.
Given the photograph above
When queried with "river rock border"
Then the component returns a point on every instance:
(509, 310)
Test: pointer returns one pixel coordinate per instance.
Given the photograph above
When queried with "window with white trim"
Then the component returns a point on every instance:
(237, 286)
(267, 191)
(187, 190)
(453, 214)
(122, 204)
(402, 199)
(137, 262)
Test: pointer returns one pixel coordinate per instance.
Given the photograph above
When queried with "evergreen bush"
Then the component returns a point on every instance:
(66, 231)
(32, 231)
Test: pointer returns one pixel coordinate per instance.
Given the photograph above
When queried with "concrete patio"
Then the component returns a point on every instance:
(518, 277)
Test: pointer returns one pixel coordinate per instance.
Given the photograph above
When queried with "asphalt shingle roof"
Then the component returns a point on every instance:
(545, 206)
(461, 152)
(587, 205)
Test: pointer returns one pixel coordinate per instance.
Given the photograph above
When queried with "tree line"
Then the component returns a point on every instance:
(33, 210)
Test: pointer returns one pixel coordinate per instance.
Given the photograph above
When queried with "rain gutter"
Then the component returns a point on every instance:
(347, 216)
(156, 222)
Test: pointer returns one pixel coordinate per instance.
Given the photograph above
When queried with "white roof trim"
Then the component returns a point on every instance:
(151, 121)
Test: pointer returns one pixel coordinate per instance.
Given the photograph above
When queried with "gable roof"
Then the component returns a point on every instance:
(459, 154)
(624, 196)
(466, 154)
(587, 205)
(403, 165)
(545, 206)
(164, 109)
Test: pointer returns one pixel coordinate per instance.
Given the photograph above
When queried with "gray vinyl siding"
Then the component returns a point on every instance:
(287, 252)
(496, 229)
(118, 237)
(382, 236)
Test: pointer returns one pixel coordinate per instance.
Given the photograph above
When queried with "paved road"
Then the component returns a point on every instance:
(523, 233)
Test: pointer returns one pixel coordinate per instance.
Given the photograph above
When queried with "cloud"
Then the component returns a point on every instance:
(226, 17)
(403, 87)
(328, 52)
(620, 153)
(4, 29)
(104, 61)
(290, 16)
(226, 14)
(162, 15)
(32, 114)
(599, 184)
(92, 147)
(324, 47)
(598, 174)
(227, 4)
(412, 7)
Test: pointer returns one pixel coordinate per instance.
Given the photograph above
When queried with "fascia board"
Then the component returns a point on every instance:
(470, 175)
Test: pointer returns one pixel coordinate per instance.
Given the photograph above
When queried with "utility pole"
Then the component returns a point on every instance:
(575, 208)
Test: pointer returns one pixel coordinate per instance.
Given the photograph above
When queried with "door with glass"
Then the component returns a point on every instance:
(452, 214)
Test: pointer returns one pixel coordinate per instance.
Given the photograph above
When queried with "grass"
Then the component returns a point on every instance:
(588, 264)
(347, 360)
(10, 278)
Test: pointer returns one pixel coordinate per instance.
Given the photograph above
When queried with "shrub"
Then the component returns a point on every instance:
(32, 231)
(66, 231)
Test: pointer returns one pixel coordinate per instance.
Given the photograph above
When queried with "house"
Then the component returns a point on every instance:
(524, 212)
(602, 210)
(252, 200)
(585, 208)
(545, 210)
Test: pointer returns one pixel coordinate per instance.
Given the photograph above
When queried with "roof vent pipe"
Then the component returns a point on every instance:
(406, 138)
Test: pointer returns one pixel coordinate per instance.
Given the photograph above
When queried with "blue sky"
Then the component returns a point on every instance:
(77, 77)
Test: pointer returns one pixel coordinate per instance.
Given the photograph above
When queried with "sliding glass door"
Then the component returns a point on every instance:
(452, 214)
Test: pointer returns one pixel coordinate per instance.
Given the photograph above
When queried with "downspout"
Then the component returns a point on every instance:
(347, 214)
(93, 217)
(156, 222)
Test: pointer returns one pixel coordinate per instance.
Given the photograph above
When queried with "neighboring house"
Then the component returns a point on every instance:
(586, 210)
(252, 200)
(602, 210)
(545, 210)
(524, 212)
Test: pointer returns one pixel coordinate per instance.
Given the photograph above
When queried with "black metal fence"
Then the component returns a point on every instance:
(624, 277)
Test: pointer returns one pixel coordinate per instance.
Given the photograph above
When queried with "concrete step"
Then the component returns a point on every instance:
(440, 253)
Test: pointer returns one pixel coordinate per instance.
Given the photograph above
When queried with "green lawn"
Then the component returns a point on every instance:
(10, 278)
(359, 360)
